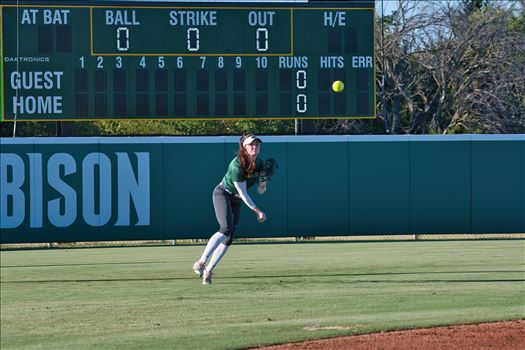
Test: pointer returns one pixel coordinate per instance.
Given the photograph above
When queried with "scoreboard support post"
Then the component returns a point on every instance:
(65, 128)
(307, 126)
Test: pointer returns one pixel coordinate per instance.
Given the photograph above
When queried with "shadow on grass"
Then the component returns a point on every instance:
(303, 276)
(96, 264)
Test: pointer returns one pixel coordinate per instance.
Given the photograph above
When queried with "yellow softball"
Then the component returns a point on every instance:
(338, 86)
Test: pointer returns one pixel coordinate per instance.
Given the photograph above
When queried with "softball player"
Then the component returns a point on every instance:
(244, 171)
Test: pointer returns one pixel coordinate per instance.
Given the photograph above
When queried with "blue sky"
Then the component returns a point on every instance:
(388, 6)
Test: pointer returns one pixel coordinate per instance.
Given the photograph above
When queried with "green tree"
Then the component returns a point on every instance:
(470, 6)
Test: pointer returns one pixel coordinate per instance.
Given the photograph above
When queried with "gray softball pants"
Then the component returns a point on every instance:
(227, 210)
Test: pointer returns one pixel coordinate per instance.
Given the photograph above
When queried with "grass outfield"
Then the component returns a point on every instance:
(148, 297)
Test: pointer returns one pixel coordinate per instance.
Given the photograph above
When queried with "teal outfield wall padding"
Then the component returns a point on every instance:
(129, 188)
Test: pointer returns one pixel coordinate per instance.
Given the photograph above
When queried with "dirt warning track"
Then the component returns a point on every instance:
(509, 335)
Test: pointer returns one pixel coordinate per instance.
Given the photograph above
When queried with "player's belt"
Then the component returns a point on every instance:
(227, 190)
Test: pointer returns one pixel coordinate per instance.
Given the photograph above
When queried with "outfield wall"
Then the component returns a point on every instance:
(129, 188)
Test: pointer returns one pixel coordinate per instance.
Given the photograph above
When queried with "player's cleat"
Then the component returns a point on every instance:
(206, 277)
(198, 268)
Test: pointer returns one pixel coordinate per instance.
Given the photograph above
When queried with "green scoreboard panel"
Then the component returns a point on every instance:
(86, 60)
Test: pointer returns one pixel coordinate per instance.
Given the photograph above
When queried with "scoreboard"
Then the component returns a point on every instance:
(92, 60)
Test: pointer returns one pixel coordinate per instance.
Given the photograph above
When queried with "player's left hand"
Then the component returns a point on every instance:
(261, 188)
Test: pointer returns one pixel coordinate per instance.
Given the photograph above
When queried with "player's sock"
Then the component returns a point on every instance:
(213, 243)
(216, 257)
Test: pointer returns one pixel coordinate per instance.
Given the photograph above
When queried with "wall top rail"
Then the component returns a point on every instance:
(269, 139)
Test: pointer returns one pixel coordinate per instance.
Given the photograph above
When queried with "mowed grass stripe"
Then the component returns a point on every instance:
(148, 297)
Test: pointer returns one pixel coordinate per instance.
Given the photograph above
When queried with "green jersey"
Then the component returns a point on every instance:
(237, 174)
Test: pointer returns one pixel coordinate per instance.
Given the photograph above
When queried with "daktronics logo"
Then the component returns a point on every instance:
(26, 59)
(106, 186)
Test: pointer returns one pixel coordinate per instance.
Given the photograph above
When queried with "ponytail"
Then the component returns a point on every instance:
(247, 163)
